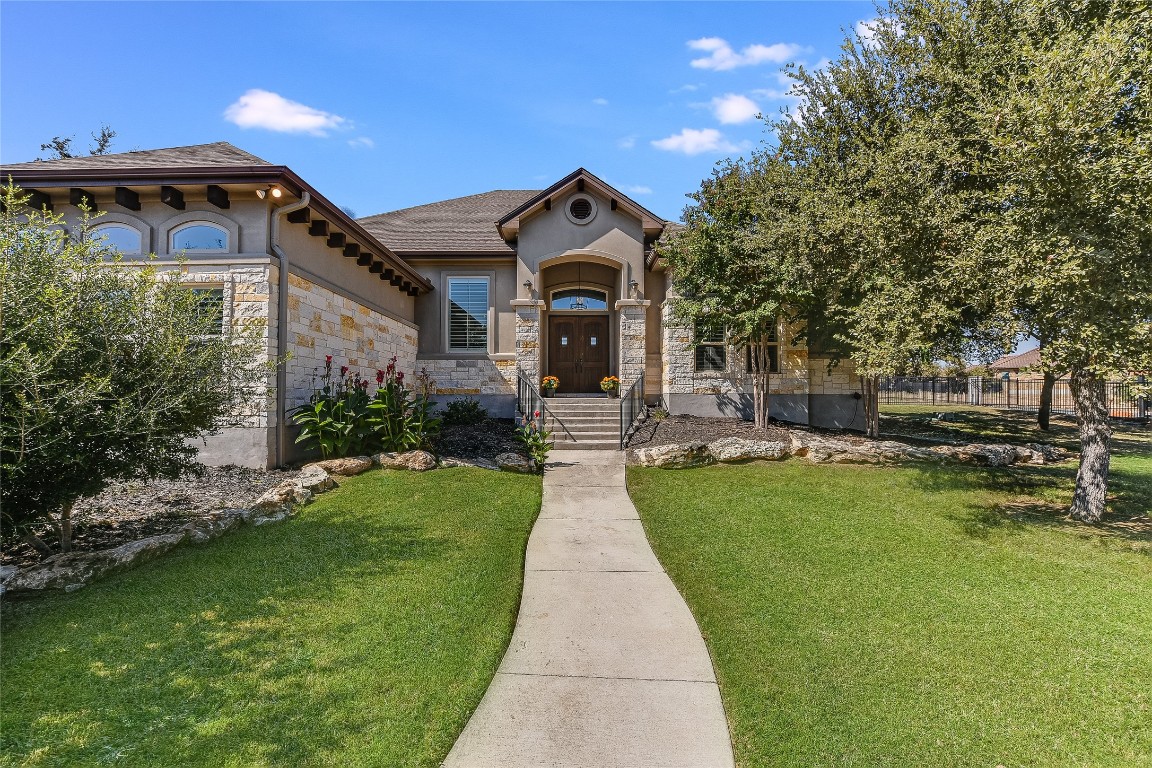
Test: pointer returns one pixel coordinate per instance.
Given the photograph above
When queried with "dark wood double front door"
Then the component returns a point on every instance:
(578, 351)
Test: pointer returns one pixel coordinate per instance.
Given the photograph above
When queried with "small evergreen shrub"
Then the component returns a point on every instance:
(466, 411)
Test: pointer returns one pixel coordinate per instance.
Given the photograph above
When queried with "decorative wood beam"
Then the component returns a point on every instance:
(405, 286)
(413, 291)
(300, 216)
(547, 203)
(127, 198)
(39, 200)
(376, 268)
(172, 197)
(337, 240)
(319, 228)
(364, 260)
(352, 250)
(579, 185)
(396, 280)
(613, 203)
(218, 196)
(82, 197)
(388, 274)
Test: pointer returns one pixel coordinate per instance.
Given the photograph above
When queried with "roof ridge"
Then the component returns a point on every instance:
(450, 200)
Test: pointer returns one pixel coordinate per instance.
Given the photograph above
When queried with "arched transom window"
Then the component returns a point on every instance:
(119, 237)
(579, 298)
(200, 236)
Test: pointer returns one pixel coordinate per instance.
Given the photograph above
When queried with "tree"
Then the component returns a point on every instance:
(1054, 102)
(61, 146)
(106, 373)
(732, 265)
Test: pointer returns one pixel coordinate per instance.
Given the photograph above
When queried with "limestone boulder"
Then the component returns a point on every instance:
(675, 456)
(286, 495)
(1044, 453)
(345, 467)
(69, 572)
(449, 461)
(315, 479)
(514, 462)
(820, 450)
(415, 461)
(738, 449)
(214, 526)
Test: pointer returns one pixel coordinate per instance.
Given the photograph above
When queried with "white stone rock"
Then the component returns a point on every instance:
(739, 449)
(416, 461)
(514, 462)
(345, 467)
(675, 456)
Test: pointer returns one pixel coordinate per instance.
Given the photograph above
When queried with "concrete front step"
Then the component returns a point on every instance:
(568, 445)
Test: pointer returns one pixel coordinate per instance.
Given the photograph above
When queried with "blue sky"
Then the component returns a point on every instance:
(386, 105)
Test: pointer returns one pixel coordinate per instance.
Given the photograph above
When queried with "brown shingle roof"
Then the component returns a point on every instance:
(461, 225)
(1022, 360)
(220, 153)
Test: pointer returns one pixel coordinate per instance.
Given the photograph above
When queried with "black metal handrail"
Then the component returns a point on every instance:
(529, 401)
(631, 409)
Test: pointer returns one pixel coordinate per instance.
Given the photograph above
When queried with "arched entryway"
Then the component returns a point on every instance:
(578, 317)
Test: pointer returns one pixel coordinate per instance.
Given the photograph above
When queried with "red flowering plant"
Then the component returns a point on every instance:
(342, 419)
(532, 434)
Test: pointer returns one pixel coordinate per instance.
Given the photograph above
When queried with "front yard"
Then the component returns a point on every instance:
(362, 632)
(920, 615)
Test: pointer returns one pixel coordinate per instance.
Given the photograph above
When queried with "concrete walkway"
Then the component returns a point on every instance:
(606, 667)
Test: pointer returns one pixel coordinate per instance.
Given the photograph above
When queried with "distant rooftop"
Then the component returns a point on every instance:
(1021, 360)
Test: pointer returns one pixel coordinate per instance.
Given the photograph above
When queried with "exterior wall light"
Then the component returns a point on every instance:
(272, 190)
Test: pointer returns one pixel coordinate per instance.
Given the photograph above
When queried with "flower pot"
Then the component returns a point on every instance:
(612, 392)
(547, 392)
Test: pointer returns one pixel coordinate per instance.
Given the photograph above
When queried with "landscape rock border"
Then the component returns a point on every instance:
(69, 572)
(819, 449)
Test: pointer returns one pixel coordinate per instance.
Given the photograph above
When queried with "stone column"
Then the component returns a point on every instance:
(528, 338)
(633, 313)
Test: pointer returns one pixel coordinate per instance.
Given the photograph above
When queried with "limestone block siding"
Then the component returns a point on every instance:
(247, 299)
(840, 380)
(471, 376)
(681, 377)
(321, 322)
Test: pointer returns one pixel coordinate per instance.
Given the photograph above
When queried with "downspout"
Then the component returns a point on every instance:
(282, 324)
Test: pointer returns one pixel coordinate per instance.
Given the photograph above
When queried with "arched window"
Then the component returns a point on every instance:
(579, 298)
(200, 236)
(119, 237)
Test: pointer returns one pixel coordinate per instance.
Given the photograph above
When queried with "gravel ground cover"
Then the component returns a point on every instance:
(478, 441)
(689, 429)
(133, 510)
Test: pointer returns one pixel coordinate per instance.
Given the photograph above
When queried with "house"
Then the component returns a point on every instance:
(483, 291)
(1016, 366)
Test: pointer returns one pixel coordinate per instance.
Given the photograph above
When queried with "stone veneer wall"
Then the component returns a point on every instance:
(841, 380)
(321, 323)
(490, 381)
(528, 338)
(632, 341)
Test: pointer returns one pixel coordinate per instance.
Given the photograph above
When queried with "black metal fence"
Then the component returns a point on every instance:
(529, 402)
(1124, 400)
(631, 408)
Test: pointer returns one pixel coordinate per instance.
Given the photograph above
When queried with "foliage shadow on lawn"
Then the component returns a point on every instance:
(268, 647)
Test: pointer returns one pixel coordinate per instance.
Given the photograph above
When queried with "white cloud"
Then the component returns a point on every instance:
(263, 109)
(721, 56)
(868, 29)
(600, 102)
(362, 141)
(626, 143)
(689, 87)
(733, 108)
(638, 189)
(692, 142)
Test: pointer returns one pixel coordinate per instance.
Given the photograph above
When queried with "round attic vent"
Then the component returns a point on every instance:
(581, 209)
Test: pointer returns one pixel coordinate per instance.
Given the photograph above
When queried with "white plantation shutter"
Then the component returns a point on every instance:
(468, 313)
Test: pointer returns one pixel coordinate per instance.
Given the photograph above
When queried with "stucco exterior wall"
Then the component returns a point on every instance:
(431, 309)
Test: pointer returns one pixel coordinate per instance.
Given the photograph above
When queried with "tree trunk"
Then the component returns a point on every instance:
(761, 363)
(37, 544)
(1046, 400)
(1095, 433)
(66, 528)
(871, 406)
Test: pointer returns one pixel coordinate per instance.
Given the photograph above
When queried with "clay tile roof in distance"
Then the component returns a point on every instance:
(461, 225)
(221, 153)
(1022, 360)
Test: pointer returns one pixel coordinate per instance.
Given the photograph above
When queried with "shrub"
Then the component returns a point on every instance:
(340, 419)
(465, 411)
(531, 433)
(106, 372)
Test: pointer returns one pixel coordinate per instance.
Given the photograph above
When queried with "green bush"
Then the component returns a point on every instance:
(341, 419)
(531, 433)
(466, 411)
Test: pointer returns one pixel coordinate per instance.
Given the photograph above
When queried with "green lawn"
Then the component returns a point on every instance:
(362, 632)
(922, 615)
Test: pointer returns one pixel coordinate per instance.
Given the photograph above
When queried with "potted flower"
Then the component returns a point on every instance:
(610, 385)
(549, 385)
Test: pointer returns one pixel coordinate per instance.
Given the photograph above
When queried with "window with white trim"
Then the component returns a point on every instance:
(711, 346)
(468, 314)
(119, 237)
(200, 236)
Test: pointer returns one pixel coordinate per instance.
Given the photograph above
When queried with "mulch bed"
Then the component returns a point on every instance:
(128, 511)
(692, 429)
(478, 441)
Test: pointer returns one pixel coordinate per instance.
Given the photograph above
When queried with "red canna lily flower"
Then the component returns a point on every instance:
(536, 414)
(343, 371)
(379, 376)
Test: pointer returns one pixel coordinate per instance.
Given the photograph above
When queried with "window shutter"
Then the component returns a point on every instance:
(468, 313)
